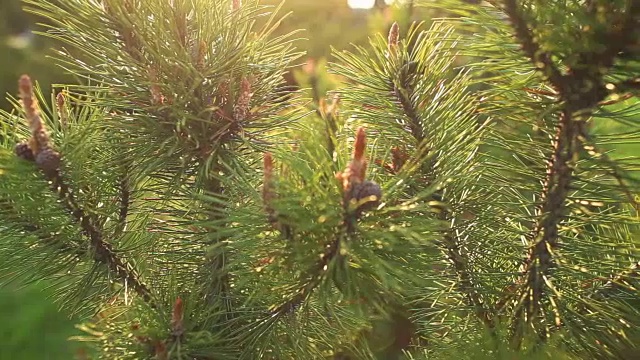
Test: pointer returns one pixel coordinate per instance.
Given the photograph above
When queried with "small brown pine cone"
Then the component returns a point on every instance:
(367, 189)
(48, 160)
(23, 151)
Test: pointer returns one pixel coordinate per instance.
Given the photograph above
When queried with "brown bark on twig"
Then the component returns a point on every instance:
(580, 90)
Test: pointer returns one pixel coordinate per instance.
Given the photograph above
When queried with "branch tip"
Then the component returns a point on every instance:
(394, 36)
(177, 317)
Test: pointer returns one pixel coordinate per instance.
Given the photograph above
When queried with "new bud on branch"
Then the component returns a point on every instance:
(365, 194)
(47, 159)
(177, 316)
(242, 107)
(394, 36)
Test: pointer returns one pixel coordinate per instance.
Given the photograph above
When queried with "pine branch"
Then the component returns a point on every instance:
(404, 92)
(618, 282)
(581, 90)
(125, 202)
(103, 251)
(214, 269)
(540, 59)
(552, 211)
(358, 195)
(47, 238)
(311, 279)
(49, 162)
(465, 284)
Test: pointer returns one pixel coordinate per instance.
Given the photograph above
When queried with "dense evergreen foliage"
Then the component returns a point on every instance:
(463, 193)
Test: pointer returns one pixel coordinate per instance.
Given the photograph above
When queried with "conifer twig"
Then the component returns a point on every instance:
(311, 279)
(103, 251)
(352, 179)
(618, 281)
(49, 161)
(125, 202)
(404, 93)
(216, 278)
(581, 89)
(540, 59)
(329, 113)
(28, 226)
(449, 243)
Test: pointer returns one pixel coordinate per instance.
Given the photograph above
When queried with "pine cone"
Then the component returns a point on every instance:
(364, 190)
(23, 151)
(48, 160)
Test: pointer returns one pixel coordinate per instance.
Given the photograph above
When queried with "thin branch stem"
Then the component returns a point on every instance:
(103, 251)
(465, 284)
(125, 202)
(404, 92)
(619, 281)
(311, 280)
(540, 59)
(544, 237)
(581, 90)
(214, 270)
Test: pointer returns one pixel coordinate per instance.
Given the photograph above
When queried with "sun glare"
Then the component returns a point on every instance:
(361, 4)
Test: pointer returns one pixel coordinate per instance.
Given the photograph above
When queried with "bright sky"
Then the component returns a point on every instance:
(361, 4)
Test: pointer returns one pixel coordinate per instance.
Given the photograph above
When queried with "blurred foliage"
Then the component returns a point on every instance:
(326, 24)
(331, 23)
(23, 51)
(32, 326)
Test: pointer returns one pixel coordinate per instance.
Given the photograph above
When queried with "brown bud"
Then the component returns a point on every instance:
(48, 160)
(394, 35)
(399, 158)
(200, 54)
(40, 138)
(23, 151)
(355, 171)
(241, 109)
(360, 145)
(367, 194)
(177, 316)
(63, 115)
(235, 5)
